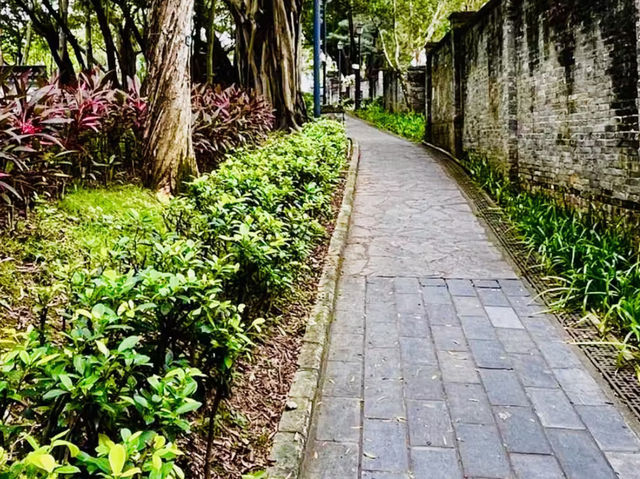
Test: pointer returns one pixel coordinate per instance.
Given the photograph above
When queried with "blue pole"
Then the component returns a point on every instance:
(316, 58)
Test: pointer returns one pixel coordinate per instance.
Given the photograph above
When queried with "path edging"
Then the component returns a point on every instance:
(287, 452)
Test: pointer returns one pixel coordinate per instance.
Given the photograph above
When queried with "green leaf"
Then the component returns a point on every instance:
(128, 343)
(66, 381)
(67, 470)
(54, 393)
(44, 461)
(102, 348)
(189, 406)
(131, 472)
(117, 458)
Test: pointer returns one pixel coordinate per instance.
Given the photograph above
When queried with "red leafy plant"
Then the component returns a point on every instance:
(51, 133)
(226, 119)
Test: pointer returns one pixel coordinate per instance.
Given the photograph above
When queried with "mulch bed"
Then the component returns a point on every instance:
(250, 416)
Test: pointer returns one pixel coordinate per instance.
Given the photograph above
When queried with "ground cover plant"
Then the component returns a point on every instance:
(407, 124)
(594, 261)
(129, 351)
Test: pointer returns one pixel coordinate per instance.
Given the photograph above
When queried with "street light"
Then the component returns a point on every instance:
(340, 48)
(317, 25)
(359, 31)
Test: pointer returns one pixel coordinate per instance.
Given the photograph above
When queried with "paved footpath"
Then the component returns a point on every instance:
(441, 364)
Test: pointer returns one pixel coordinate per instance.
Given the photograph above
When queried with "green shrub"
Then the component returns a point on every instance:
(409, 124)
(140, 335)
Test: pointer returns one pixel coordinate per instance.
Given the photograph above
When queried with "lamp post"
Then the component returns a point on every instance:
(324, 51)
(359, 30)
(340, 48)
(316, 59)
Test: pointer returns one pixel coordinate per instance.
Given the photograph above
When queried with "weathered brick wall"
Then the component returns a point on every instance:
(442, 111)
(549, 92)
(485, 86)
(416, 87)
(393, 97)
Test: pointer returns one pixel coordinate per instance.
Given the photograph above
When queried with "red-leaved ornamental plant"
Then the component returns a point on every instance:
(91, 130)
(225, 119)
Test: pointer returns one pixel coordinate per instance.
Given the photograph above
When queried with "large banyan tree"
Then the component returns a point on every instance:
(268, 53)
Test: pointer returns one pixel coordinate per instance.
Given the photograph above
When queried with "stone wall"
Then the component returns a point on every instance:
(393, 95)
(547, 90)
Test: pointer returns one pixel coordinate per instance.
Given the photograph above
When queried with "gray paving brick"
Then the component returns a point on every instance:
(346, 347)
(458, 367)
(409, 303)
(383, 399)
(517, 341)
(429, 424)
(330, 460)
(513, 287)
(461, 287)
(559, 355)
(348, 322)
(428, 281)
(351, 294)
(339, 420)
(526, 306)
(521, 430)
(435, 463)
(343, 379)
(384, 446)
(481, 451)
(609, 428)
(554, 409)
(417, 351)
(486, 283)
(449, 338)
(492, 297)
(478, 327)
(384, 315)
(379, 287)
(536, 466)
(625, 464)
(413, 326)
(423, 381)
(468, 403)
(542, 328)
(407, 286)
(489, 354)
(579, 455)
(503, 388)
(502, 317)
(441, 314)
(580, 387)
(533, 371)
(436, 295)
(384, 475)
(382, 335)
(382, 363)
(468, 305)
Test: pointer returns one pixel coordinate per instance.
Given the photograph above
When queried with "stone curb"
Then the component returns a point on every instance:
(287, 452)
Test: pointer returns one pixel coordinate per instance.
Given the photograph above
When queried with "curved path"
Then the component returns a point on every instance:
(441, 364)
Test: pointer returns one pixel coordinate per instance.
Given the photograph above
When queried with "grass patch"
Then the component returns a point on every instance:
(593, 260)
(78, 231)
(409, 125)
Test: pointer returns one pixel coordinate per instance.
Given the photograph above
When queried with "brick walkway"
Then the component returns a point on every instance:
(441, 364)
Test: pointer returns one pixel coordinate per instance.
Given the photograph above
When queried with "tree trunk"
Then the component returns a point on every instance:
(267, 54)
(168, 149)
(211, 39)
(109, 44)
(27, 47)
(87, 33)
